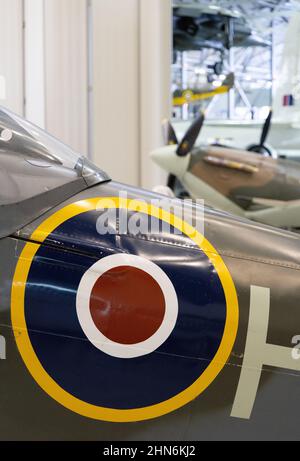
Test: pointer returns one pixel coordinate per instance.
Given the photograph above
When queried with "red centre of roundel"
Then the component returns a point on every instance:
(127, 305)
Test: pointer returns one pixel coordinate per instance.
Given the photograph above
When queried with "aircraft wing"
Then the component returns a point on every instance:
(194, 96)
(190, 97)
(270, 202)
(279, 212)
(194, 11)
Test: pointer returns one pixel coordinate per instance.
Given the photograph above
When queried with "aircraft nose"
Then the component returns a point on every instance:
(167, 159)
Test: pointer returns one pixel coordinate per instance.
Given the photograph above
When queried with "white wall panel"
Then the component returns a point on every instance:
(123, 89)
(155, 76)
(34, 48)
(116, 111)
(131, 85)
(66, 71)
(11, 55)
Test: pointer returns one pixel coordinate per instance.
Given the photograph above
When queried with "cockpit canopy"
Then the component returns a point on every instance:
(37, 172)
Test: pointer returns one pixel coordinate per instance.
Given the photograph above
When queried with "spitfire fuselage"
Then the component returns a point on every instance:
(243, 176)
(237, 287)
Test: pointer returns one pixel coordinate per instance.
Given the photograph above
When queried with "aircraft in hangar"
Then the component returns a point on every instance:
(284, 138)
(245, 183)
(199, 26)
(193, 96)
(119, 306)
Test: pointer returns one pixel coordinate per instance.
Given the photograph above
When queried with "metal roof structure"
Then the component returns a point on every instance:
(255, 68)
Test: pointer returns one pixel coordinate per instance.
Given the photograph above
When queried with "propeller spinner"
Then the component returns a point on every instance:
(185, 146)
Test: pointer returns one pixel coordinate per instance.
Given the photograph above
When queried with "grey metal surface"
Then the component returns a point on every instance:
(37, 172)
(40, 180)
(254, 255)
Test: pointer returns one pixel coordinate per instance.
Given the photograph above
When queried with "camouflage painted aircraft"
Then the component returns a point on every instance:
(112, 329)
(244, 183)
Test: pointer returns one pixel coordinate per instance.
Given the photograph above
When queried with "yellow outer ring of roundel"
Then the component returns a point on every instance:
(36, 369)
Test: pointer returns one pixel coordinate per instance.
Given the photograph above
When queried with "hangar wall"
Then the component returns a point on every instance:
(155, 64)
(55, 44)
(66, 71)
(94, 73)
(131, 85)
(11, 51)
(34, 61)
(116, 111)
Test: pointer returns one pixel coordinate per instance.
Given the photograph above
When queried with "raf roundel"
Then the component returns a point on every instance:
(124, 328)
(126, 305)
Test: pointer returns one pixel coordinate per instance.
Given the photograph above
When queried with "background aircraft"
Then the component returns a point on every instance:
(247, 184)
(192, 96)
(284, 135)
(155, 327)
(207, 26)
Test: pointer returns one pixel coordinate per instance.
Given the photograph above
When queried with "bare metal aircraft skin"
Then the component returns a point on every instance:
(185, 331)
(206, 26)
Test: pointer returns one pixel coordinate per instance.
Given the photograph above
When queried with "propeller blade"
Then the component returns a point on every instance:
(191, 136)
(266, 129)
(169, 134)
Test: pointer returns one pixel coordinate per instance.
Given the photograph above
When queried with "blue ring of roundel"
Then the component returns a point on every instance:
(93, 376)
